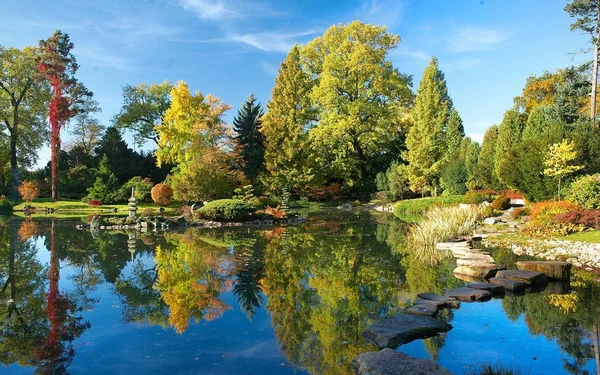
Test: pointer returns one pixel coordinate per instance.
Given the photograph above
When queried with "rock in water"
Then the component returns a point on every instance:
(469, 294)
(495, 289)
(526, 277)
(484, 271)
(555, 270)
(446, 301)
(391, 362)
(399, 329)
(514, 286)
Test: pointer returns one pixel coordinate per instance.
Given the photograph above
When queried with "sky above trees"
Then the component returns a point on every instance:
(486, 48)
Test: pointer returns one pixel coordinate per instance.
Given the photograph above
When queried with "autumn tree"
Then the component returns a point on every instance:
(23, 98)
(559, 161)
(144, 107)
(249, 141)
(289, 161)
(587, 19)
(361, 98)
(59, 66)
(426, 139)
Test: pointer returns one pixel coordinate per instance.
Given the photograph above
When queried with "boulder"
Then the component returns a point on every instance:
(554, 270)
(399, 329)
(469, 279)
(444, 300)
(511, 285)
(392, 362)
(423, 309)
(495, 289)
(490, 220)
(469, 294)
(484, 271)
(527, 277)
(474, 261)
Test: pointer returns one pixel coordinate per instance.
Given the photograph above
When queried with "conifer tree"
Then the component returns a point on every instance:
(509, 135)
(425, 141)
(249, 140)
(455, 133)
(485, 174)
(288, 159)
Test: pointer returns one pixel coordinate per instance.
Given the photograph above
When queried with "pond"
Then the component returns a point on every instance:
(291, 300)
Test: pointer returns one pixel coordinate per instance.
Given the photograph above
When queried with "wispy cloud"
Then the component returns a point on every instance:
(460, 64)
(101, 58)
(209, 9)
(405, 51)
(470, 38)
(271, 41)
(382, 12)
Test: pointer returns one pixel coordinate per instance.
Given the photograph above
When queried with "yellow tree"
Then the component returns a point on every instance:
(558, 161)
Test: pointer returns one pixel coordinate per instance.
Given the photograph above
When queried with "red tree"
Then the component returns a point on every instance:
(68, 95)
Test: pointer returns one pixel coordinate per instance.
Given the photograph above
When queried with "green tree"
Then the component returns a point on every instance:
(509, 135)
(470, 153)
(23, 99)
(587, 19)
(362, 101)
(559, 161)
(249, 141)
(122, 160)
(455, 132)
(289, 161)
(144, 108)
(86, 132)
(426, 139)
(106, 185)
(485, 175)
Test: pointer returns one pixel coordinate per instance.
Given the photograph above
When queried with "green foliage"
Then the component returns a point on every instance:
(249, 141)
(381, 180)
(106, 186)
(398, 183)
(142, 186)
(484, 175)
(226, 209)
(455, 132)
(454, 177)
(6, 206)
(478, 197)
(498, 369)
(585, 191)
(509, 135)
(420, 205)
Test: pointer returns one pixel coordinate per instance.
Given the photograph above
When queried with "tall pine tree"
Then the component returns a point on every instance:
(426, 138)
(509, 136)
(249, 140)
(455, 133)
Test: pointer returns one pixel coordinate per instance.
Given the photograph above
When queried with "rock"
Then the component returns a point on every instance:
(557, 287)
(399, 329)
(469, 279)
(495, 289)
(423, 309)
(480, 270)
(469, 294)
(490, 221)
(444, 300)
(392, 362)
(509, 284)
(468, 262)
(526, 277)
(553, 270)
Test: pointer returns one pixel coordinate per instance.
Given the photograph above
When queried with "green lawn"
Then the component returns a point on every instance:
(68, 205)
(415, 207)
(591, 236)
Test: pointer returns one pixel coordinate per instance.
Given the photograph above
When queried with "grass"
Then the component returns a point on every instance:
(412, 207)
(71, 206)
(489, 369)
(589, 236)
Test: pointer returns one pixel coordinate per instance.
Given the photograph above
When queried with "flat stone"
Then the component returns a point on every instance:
(492, 288)
(555, 270)
(392, 362)
(490, 221)
(399, 329)
(469, 279)
(444, 300)
(511, 285)
(423, 309)
(474, 261)
(469, 294)
(480, 270)
(526, 277)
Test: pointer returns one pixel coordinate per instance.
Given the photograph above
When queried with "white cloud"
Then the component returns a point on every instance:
(271, 41)
(382, 12)
(483, 124)
(460, 64)
(417, 55)
(214, 10)
(470, 38)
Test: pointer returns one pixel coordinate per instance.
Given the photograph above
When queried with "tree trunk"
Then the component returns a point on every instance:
(55, 157)
(13, 163)
(595, 71)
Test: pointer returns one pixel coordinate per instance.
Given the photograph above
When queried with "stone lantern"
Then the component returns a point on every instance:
(132, 206)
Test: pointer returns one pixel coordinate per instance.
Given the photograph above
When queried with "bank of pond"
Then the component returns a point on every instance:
(264, 300)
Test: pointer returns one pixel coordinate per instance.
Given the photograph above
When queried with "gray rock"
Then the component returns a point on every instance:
(490, 221)
(495, 289)
(444, 300)
(391, 362)
(399, 329)
(526, 277)
(514, 286)
(423, 307)
(474, 261)
(469, 294)
(484, 271)
(554, 270)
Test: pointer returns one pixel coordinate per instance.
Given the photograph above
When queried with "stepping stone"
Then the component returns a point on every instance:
(444, 300)
(492, 288)
(469, 294)
(480, 270)
(469, 279)
(474, 261)
(511, 285)
(423, 309)
(392, 362)
(526, 277)
(399, 329)
(554, 270)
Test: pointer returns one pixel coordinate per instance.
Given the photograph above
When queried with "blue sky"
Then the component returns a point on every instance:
(230, 48)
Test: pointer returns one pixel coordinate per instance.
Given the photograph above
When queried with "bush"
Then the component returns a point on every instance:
(94, 203)
(324, 193)
(143, 187)
(6, 206)
(29, 190)
(579, 220)
(542, 219)
(148, 212)
(162, 194)
(520, 212)
(478, 197)
(585, 192)
(501, 203)
(488, 211)
(225, 209)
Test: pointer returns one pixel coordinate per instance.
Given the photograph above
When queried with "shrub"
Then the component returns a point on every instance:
(162, 194)
(585, 192)
(501, 203)
(29, 190)
(324, 193)
(478, 197)
(94, 203)
(542, 219)
(490, 369)
(6, 206)
(28, 229)
(148, 212)
(225, 209)
(420, 205)
(276, 212)
(579, 220)
(520, 212)
(143, 187)
(488, 211)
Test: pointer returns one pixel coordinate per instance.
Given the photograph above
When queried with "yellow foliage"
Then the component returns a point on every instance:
(567, 303)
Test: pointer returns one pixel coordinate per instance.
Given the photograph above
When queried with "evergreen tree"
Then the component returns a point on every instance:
(425, 141)
(250, 145)
(471, 158)
(455, 132)
(485, 176)
(288, 160)
(106, 185)
(121, 160)
(509, 135)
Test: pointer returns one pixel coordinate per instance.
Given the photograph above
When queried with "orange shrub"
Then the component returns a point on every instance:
(162, 194)
(29, 190)
(542, 222)
(276, 212)
(28, 229)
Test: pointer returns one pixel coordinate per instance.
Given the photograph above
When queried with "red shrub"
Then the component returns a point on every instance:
(543, 221)
(520, 212)
(324, 193)
(94, 203)
(584, 219)
(162, 194)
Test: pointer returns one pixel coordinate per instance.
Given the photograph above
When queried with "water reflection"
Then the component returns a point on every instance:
(321, 284)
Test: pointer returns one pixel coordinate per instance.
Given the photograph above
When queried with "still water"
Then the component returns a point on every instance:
(280, 301)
